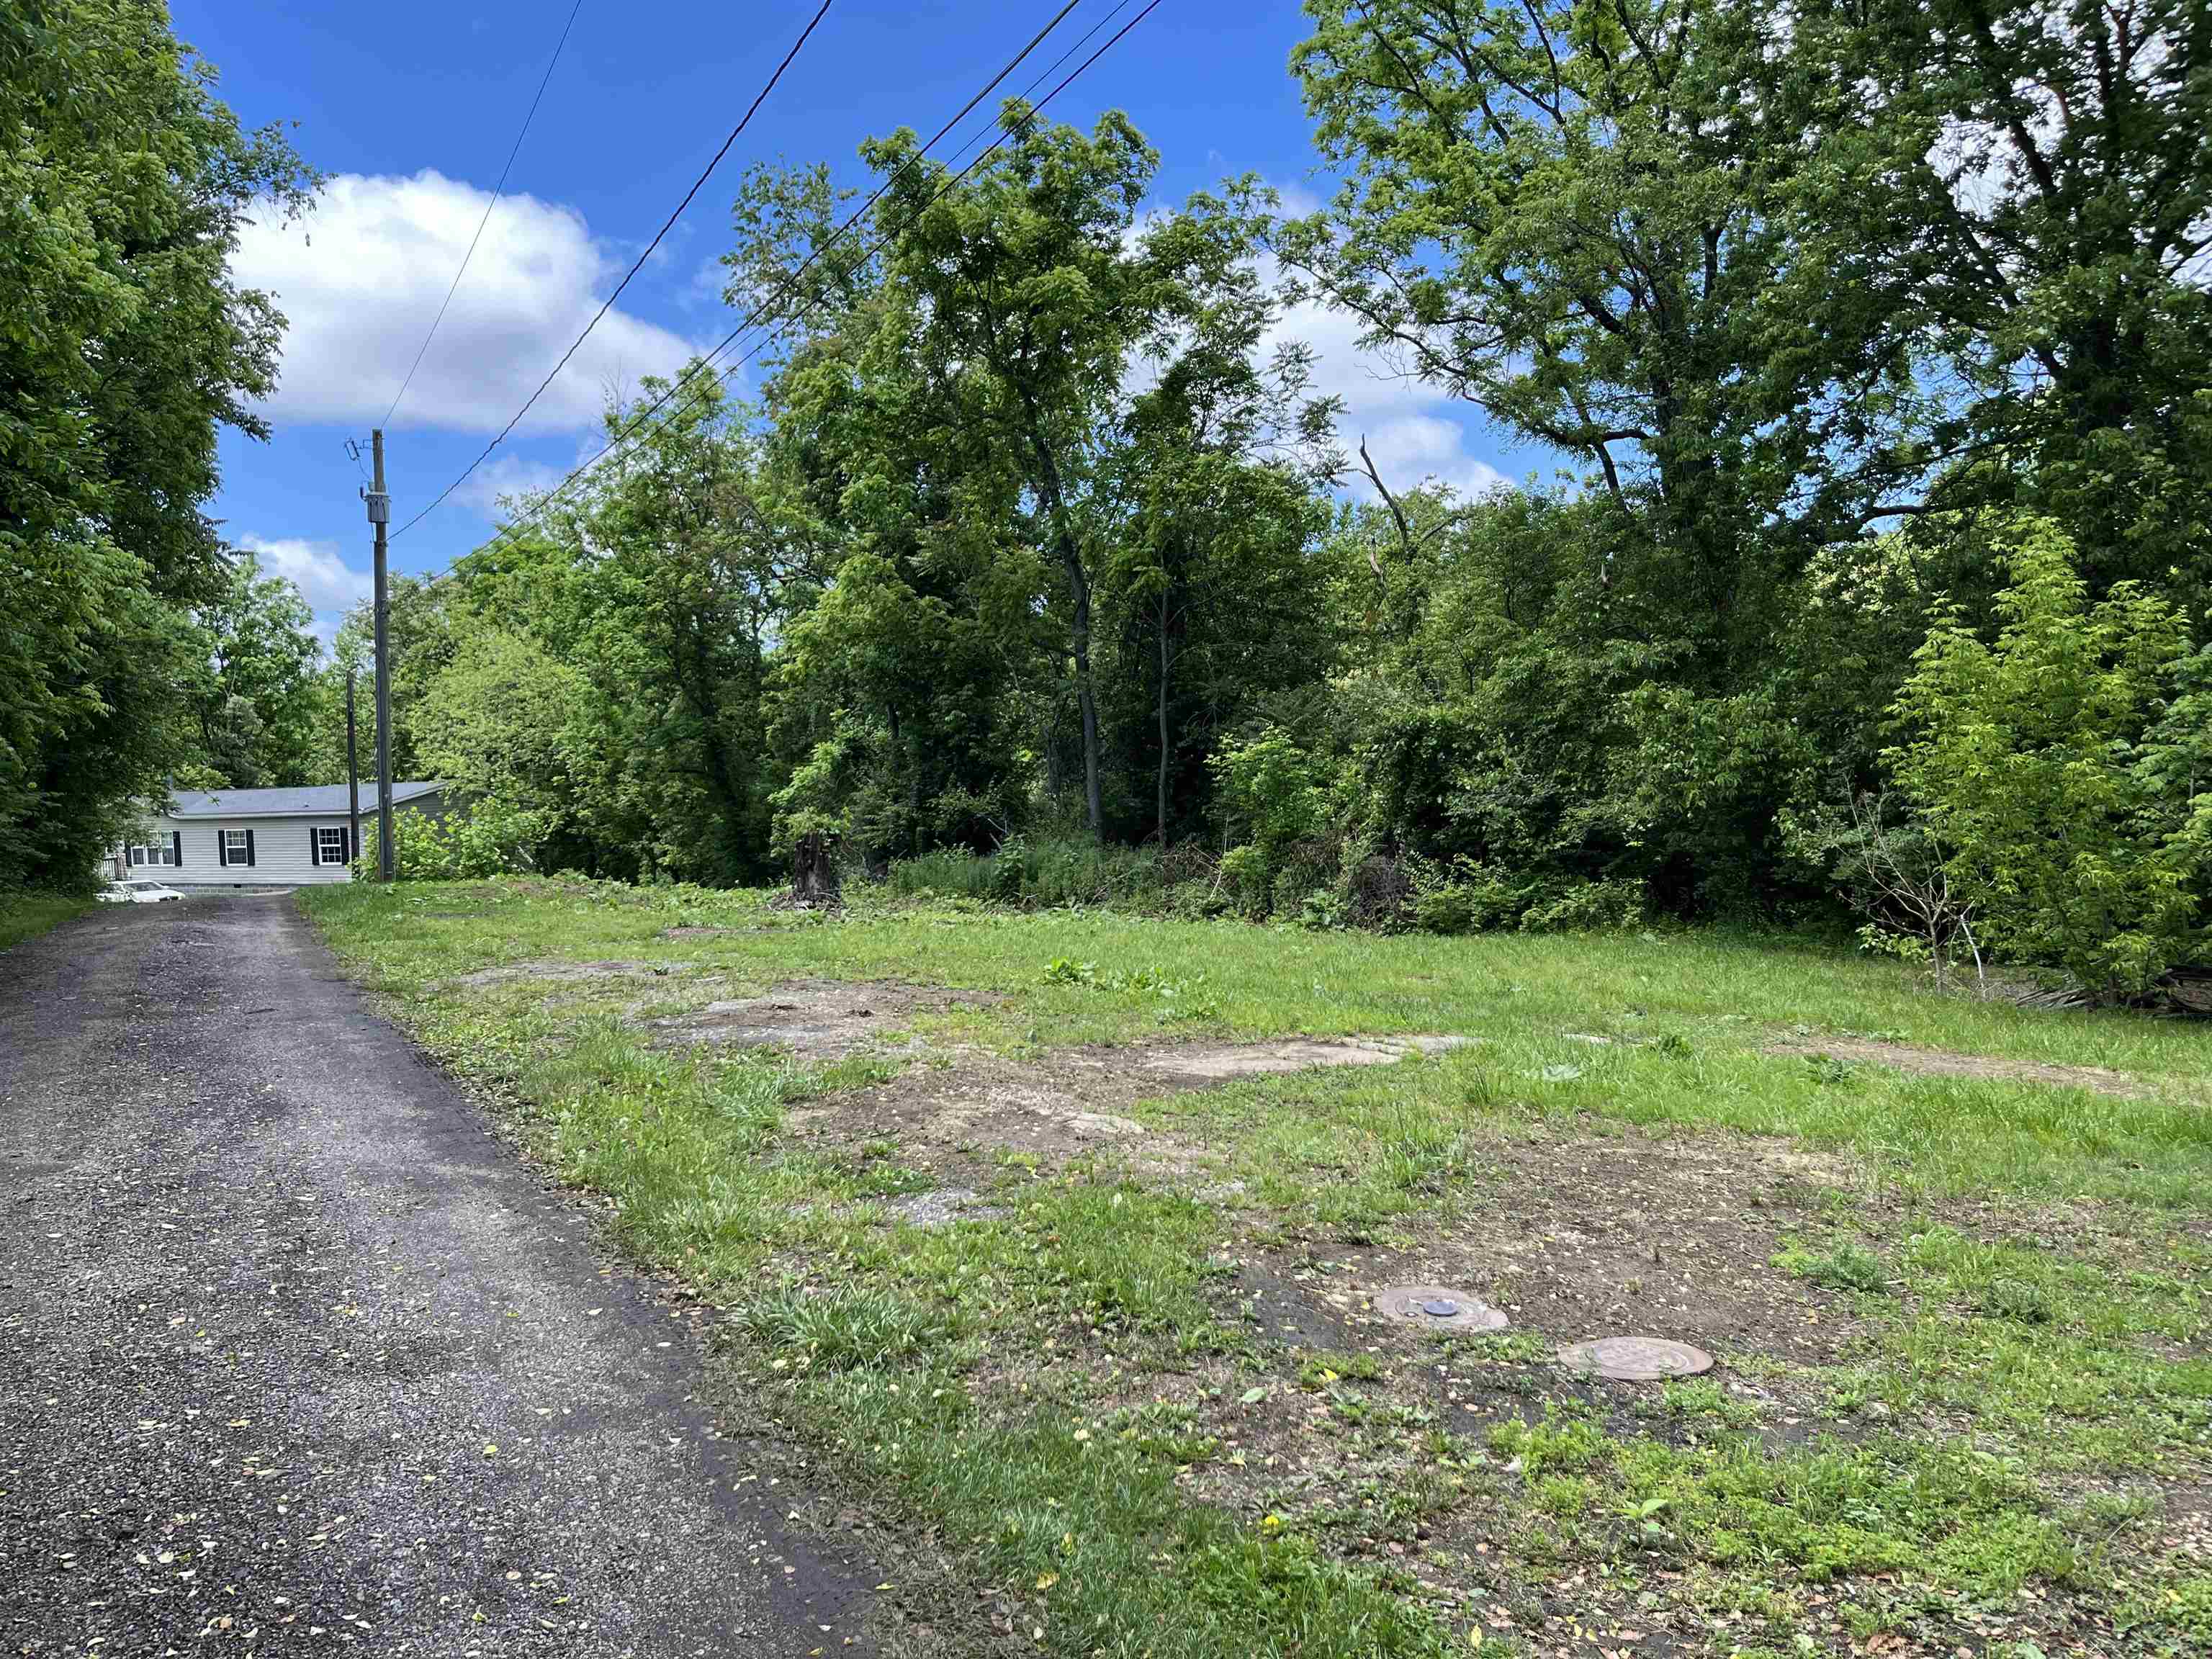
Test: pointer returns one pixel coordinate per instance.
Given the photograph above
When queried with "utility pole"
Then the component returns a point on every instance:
(353, 780)
(380, 514)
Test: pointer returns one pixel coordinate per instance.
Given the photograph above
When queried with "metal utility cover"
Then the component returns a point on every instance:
(1636, 1358)
(1439, 1307)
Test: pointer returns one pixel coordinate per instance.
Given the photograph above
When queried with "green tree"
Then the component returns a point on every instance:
(2017, 195)
(2062, 768)
(1031, 298)
(125, 343)
(256, 700)
(498, 720)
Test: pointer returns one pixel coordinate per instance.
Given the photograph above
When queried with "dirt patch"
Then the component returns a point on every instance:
(562, 973)
(1642, 1234)
(1073, 1101)
(821, 1019)
(1942, 1062)
(1196, 1066)
(1281, 1307)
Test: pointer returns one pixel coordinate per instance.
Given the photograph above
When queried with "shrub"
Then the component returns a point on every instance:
(485, 838)
(1377, 891)
(1038, 873)
(1270, 790)
(1447, 910)
(1589, 907)
(2064, 769)
(1244, 877)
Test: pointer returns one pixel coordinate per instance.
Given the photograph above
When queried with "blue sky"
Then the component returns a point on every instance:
(410, 108)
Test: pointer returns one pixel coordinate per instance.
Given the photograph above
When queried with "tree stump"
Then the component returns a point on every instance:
(814, 883)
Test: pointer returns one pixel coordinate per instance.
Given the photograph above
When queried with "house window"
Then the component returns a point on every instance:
(330, 846)
(137, 855)
(161, 853)
(234, 847)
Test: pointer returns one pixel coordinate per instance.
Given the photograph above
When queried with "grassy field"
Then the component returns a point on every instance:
(25, 915)
(978, 1234)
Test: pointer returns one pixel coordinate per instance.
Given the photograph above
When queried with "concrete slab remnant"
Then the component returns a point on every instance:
(1636, 1358)
(1439, 1308)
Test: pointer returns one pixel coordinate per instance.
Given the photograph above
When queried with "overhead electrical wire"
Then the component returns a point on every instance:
(640, 417)
(498, 190)
(759, 98)
(695, 373)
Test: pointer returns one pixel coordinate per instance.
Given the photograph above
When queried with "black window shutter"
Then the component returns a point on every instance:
(177, 848)
(345, 839)
(249, 849)
(221, 849)
(314, 846)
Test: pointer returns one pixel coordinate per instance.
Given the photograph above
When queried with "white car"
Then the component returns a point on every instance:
(137, 892)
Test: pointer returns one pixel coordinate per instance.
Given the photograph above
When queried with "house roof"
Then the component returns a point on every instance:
(315, 800)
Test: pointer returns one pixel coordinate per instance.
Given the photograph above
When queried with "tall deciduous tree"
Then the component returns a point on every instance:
(2017, 195)
(123, 345)
(1033, 296)
(254, 698)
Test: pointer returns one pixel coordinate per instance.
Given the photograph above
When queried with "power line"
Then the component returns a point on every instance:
(759, 98)
(641, 415)
(498, 190)
(546, 500)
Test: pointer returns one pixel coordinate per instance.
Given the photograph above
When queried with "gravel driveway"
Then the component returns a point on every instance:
(294, 1356)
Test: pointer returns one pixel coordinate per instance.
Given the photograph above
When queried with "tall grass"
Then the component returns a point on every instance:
(1038, 873)
(25, 914)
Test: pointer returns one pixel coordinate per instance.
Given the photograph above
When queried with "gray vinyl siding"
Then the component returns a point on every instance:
(281, 857)
(281, 854)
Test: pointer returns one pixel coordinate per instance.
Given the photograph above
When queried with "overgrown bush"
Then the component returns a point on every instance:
(2066, 769)
(482, 839)
(1589, 907)
(1270, 790)
(1037, 873)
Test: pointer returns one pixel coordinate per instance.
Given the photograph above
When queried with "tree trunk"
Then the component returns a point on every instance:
(1086, 699)
(814, 881)
(1079, 587)
(1160, 779)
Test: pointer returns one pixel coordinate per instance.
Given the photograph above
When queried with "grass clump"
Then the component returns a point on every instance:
(1848, 1267)
(25, 914)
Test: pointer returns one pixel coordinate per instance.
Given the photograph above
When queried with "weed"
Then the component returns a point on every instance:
(1847, 1266)
(2017, 1299)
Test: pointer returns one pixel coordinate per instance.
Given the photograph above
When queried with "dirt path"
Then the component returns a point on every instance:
(294, 1356)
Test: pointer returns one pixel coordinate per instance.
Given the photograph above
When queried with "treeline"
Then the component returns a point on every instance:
(124, 346)
(1875, 338)
(1878, 337)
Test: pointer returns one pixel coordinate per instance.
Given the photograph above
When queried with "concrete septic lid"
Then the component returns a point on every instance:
(1636, 1358)
(1440, 1307)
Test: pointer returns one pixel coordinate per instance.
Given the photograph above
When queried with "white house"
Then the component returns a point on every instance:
(260, 837)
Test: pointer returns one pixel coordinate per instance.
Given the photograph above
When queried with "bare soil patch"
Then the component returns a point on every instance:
(1073, 1101)
(1196, 1066)
(565, 973)
(821, 1019)
(1942, 1062)
(1636, 1233)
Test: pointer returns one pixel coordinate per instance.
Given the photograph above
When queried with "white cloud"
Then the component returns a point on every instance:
(510, 475)
(362, 276)
(1416, 433)
(331, 585)
(1421, 447)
